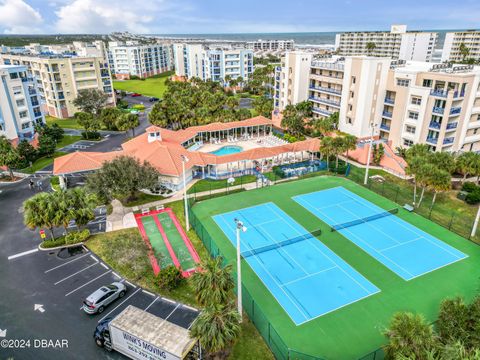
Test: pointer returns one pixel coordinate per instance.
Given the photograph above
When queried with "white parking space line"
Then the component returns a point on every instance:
(116, 275)
(78, 272)
(93, 257)
(129, 283)
(148, 307)
(176, 307)
(68, 262)
(105, 266)
(189, 307)
(89, 282)
(22, 254)
(119, 304)
(148, 292)
(168, 300)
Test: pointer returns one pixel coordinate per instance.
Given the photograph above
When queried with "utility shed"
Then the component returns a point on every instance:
(137, 330)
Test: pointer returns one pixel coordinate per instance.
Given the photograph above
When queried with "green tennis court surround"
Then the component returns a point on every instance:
(354, 330)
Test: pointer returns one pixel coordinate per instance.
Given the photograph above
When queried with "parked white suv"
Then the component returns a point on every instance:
(99, 299)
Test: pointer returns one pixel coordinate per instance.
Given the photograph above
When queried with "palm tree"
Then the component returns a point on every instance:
(9, 156)
(326, 147)
(410, 337)
(83, 203)
(415, 157)
(217, 327)
(423, 177)
(214, 283)
(64, 212)
(338, 148)
(440, 180)
(464, 51)
(466, 164)
(39, 211)
(370, 47)
(350, 143)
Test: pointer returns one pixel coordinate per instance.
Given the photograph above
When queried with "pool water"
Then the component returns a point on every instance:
(227, 150)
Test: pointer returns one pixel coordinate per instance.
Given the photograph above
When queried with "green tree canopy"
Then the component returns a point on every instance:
(9, 156)
(88, 121)
(127, 122)
(122, 177)
(109, 117)
(263, 106)
(91, 101)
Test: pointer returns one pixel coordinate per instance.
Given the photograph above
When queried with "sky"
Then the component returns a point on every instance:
(227, 16)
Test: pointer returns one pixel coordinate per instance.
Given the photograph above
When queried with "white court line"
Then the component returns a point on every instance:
(148, 292)
(22, 254)
(400, 244)
(148, 307)
(78, 272)
(105, 266)
(119, 305)
(68, 262)
(308, 275)
(89, 282)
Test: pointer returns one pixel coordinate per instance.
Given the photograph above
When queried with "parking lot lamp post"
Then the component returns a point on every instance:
(185, 160)
(475, 224)
(369, 154)
(240, 228)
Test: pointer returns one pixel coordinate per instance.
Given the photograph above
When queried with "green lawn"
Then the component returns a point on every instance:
(153, 86)
(126, 252)
(208, 184)
(67, 140)
(40, 163)
(354, 330)
(69, 123)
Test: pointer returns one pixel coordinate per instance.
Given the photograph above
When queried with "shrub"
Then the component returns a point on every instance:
(47, 244)
(470, 187)
(138, 107)
(75, 237)
(122, 104)
(473, 197)
(169, 278)
(91, 135)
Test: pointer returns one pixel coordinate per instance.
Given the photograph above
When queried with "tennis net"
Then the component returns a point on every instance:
(280, 244)
(363, 220)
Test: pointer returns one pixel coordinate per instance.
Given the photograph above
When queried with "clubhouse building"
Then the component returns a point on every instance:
(214, 151)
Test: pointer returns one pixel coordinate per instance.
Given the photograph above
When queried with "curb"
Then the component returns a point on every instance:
(59, 247)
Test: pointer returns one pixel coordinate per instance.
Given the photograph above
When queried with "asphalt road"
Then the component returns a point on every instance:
(42, 292)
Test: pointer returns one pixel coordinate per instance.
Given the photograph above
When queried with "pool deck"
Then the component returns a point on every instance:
(244, 144)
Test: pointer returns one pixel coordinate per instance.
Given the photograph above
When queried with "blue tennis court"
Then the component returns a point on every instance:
(400, 246)
(305, 277)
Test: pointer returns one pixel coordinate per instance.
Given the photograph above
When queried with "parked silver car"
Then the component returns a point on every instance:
(99, 299)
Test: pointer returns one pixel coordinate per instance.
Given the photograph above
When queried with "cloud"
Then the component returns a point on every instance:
(104, 16)
(17, 17)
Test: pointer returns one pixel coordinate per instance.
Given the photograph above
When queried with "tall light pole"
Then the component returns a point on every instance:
(240, 227)
(475, 224)
(369, 154)
(185, 160)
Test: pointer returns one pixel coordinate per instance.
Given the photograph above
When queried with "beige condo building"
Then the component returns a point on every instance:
(453, 40)
(60, 78)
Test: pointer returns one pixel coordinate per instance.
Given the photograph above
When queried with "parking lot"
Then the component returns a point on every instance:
(43, 291)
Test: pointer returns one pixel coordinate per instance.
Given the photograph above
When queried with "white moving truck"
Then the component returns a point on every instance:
(140, 335)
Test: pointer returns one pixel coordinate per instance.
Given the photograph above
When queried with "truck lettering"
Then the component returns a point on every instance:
(154, 350)
(131, 338)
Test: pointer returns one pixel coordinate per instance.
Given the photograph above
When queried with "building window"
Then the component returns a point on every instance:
(410, 129)
(427, 83)
(20, 102)
(416, 100)
(407, 142)
(353, 79)
(349, 120)
(23, 114)
(413, 115)
(403, 82)
(352, 94)
(26, 125)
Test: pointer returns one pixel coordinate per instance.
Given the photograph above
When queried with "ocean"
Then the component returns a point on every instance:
(305, 39)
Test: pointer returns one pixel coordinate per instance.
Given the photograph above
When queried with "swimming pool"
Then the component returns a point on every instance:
(227, 150)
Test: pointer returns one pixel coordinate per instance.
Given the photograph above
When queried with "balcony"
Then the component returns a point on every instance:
(321, 111)
(35, 103)
(328, 65)
(327, 90)
(435, 125)
(432, 140)
(448, 140)
(452, 126)
(387, 114)
(439, 93)
(455, 110)
(385, 127)
(438, 110)
(389, 101)
(325, 101)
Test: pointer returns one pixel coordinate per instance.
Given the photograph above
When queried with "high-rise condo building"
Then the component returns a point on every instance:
(454, 51)
(139, 60)
(396, 44)
(270, 45)
(407, 102)
(20, 108)
(196, 60)
(60, 78)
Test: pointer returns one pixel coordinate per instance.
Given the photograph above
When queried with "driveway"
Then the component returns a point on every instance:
(42, 291)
